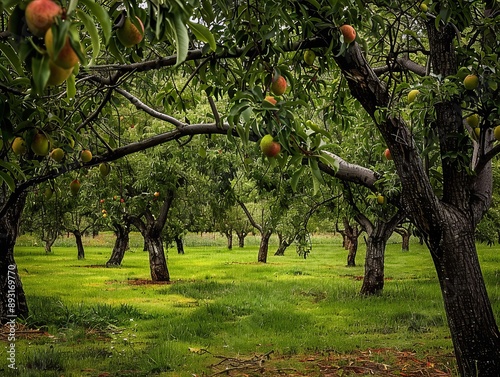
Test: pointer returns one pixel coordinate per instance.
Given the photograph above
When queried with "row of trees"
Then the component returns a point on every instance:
(442, 175)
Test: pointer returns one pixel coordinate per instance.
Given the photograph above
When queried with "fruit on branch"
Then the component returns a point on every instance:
(309, 57)
(40, 15)
(86, 155)
(101, 201)
(57, 74)
(278, 85)
(104, 169)
(128, 34)
(387, 154)
(412, 95)
(423, 7)
(473, 120)
(74, 186)
(496, 132)
(156, 194)
(19, 146)
(477, 131)
(122, 200)
(380, 199)
(104, 215)
(57, 154)
(271, 100)
(471, 82)
(66, 58)
(48, 193)
(40, 145)
(269, 147)
(349, 33)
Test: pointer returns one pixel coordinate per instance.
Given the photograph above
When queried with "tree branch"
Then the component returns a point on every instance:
(250, 217)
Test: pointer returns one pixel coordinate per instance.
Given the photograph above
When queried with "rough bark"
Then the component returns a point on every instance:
(12, 298)
(122, 233)
(351, 241)
(157, 259)
(405, 238)
(264, 246)
(229, 236)
(79, 243)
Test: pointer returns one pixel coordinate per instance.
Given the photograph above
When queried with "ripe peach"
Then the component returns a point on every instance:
(40, 16)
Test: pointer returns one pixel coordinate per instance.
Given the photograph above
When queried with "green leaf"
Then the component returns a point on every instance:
(41, 73)
(8, 180)
(202, 33)
(295, 178)
(13, 58)
(329, 160)
(70, 87)
(181, 38)
(94, 35)
(102, 17)
(313, 163)
(71, 6)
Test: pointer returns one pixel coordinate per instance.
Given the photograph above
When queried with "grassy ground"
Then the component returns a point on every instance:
(225, 312)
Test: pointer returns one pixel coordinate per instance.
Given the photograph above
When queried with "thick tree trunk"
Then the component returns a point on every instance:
(351, 241)
(180, 244)
(79, 244)
(157, 259)
(405, 238)
(12, 298)
(121, 245)
(373, 281)
(264, 246)
(241, 238)
(466, 302)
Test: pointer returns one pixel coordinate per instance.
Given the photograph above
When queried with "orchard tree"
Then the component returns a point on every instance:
(240, 52)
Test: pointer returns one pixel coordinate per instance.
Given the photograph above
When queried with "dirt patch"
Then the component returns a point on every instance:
(383, 362)
(21, 332)
(147, 282)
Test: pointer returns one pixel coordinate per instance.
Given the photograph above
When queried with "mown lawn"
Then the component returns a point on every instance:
(291, 316)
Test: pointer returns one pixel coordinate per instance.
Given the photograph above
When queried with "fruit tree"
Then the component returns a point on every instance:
(231, 56)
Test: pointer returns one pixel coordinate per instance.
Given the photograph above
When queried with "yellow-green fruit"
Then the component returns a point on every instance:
(66, 58)
(58, 75)
(57, 154)
(74, 186)
(40, 145)
(423, 7)
(40, 15)
(309, 57)
(471, 82)
(269, 147)
(412, 95)
(278, 86)
(380, 199)
(48, 193)
(104, 169)
(496, 132)
(271, 100)
(19, 146)
(473, 120)
(86, 155)
(477, 131)
(128, 34)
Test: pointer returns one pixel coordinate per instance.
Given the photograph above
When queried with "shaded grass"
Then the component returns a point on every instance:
(225, 302)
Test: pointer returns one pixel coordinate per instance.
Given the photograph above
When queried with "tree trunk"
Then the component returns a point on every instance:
(405, 238)
(351, 235)
(353, 249)
(468, 308)
(79, 244)
(229, 236)
(49, 241)
(180, 244)
(241, 238)
(373, 281)
(121, 245)
(12, 298)
(264, 246)
(157, 260)
(284, 242)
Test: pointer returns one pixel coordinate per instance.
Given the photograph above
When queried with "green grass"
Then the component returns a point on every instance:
(225, 302)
